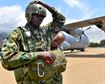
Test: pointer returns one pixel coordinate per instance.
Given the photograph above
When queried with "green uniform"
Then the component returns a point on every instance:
(19, 53)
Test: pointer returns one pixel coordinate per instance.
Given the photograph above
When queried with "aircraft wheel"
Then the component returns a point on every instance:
(82, 50)
(72, 50)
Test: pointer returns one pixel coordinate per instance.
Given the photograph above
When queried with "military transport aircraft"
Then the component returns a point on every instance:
(76, 38)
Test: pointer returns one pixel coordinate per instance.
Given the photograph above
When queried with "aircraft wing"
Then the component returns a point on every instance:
(99, 22)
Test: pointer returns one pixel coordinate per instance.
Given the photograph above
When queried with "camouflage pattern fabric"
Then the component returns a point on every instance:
(19, 52)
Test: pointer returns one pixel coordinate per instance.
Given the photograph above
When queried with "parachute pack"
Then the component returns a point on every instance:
(40, 70)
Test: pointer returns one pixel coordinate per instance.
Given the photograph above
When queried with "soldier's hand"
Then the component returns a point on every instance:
(47, 56)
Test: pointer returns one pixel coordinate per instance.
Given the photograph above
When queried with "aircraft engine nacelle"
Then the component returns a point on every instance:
(101, 26)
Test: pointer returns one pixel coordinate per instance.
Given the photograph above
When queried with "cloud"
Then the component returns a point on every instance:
(84, 8)
(11, 17)
(78, 5)
(73, 3)
(95, 34)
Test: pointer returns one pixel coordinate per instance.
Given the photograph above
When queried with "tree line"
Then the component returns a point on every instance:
(101, 44)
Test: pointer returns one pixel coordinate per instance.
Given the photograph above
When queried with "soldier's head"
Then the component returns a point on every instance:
(57, 40)
(35, 13)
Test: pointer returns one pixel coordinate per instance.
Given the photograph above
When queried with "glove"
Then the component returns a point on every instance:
(48, 57)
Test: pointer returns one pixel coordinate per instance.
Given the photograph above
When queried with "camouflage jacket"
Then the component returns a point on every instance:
(20, 47)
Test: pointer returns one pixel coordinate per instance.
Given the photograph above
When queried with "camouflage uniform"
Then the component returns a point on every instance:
(20, 53)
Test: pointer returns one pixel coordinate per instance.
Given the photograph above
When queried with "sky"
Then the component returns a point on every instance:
(12, 14)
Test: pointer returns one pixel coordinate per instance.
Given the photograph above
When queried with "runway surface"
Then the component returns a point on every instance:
(82, 68)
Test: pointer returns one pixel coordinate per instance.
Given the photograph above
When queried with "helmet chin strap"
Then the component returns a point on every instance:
(33, 25)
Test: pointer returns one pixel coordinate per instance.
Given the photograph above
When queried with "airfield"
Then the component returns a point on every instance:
(82, 68)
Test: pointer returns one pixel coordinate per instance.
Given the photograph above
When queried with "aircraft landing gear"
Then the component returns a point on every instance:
(82, 50)
(72, 50)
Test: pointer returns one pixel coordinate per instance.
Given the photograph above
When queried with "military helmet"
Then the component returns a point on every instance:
(36, 9)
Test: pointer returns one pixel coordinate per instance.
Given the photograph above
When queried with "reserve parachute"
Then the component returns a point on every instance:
(40, 70)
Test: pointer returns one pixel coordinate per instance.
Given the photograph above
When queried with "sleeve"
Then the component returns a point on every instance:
(12, 58)
(57, 24)
(52, 28)
(58, 18)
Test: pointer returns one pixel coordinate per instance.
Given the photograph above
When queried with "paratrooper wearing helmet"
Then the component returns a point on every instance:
(27, 50)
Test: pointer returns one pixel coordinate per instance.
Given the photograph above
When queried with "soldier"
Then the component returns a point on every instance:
(57, 40)
(26, 49)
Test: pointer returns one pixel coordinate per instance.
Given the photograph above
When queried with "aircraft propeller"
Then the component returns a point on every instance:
(84, 33)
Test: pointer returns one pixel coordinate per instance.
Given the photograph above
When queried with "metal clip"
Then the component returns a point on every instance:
(38, 69)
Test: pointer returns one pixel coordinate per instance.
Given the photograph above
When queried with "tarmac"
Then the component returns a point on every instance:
(82, 68)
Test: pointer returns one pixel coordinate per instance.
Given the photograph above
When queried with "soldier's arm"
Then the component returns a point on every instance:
(58, 18)
(12, 58)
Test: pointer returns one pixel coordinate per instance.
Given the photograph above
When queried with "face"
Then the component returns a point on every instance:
(37, 19)
(57, 40)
